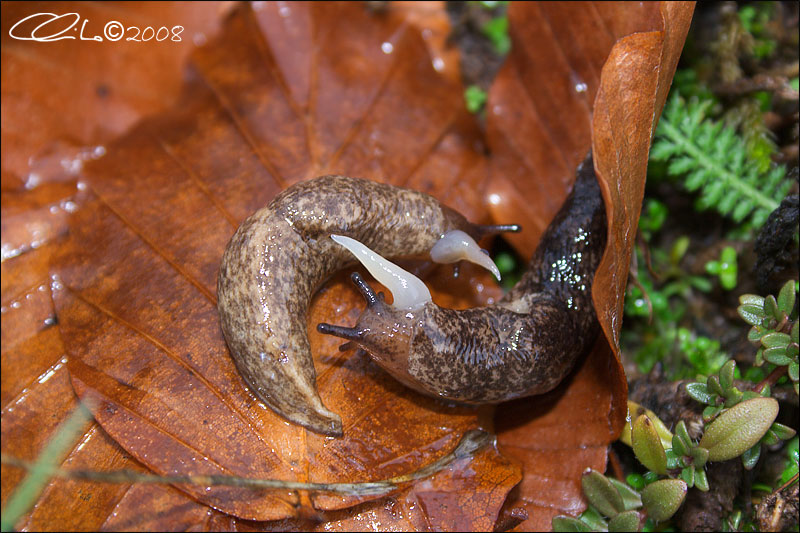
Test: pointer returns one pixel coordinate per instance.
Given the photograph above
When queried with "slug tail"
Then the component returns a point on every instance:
(309, 412)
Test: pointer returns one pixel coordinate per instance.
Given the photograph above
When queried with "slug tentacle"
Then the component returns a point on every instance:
(525, 344)
(280, 256)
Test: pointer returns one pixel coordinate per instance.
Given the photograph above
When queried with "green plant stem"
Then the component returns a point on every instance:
(731, 179)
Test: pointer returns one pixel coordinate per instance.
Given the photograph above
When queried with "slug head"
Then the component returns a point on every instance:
(382, 330)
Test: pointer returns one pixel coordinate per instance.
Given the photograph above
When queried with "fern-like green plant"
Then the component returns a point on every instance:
(714, 160)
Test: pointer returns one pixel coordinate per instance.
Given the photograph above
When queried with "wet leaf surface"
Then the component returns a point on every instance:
(281, 96)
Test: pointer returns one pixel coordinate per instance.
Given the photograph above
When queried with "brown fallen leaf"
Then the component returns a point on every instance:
(140, 324)
(594, 76)
(203, 141)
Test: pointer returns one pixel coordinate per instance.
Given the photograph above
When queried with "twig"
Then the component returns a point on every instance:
(470, 443)
(771, 379)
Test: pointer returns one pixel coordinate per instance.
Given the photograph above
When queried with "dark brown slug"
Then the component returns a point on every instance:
(281, 254)
(521, 346)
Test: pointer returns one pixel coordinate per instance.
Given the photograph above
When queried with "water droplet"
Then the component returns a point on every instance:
(495, 199)
(581, 87)
(32, 180)
(387, 47)
(438, 64)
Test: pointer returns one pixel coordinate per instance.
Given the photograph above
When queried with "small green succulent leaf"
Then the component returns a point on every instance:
(673, 460)
(726, 374)
(650, 477)
(733, 397)
(680, 446)
(711, 412)
(714, 386)
(786, 297)
(699, 456)
(627, 521)
(701, 480)
(755, 333)
(647, 445)
(777, 356)
(759, 357)
(568, 524)
(602, 494)
(687, 474)
(795, 332)
(776, 339)
(750, 457)
(699, 392)
(662, 498)
(771, 307)
(794, 371)
(770, 438)
(753, 315)
(752, 299)
(683, 433)
(783, 432)
(631, 498)
(592, 518)
(739, 428)
(636, 481)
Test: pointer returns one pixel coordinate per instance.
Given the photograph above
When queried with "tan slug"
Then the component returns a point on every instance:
(281, 254)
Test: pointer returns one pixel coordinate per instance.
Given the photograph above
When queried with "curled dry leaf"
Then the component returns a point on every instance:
(594, 76)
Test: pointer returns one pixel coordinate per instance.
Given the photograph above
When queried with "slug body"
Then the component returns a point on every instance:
(521, 346)
(281, 254)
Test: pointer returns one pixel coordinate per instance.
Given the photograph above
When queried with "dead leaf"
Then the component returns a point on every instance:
(140, 324)
(577, 78)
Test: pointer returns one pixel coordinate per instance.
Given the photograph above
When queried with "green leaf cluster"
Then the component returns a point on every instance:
(724, 409)
(715, 163)
(607, 498)
(774, 328)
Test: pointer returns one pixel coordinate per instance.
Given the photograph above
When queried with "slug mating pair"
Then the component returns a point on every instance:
(521, 346)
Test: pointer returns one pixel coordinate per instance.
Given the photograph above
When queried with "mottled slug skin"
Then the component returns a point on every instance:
(280, 255)
(526, 343)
